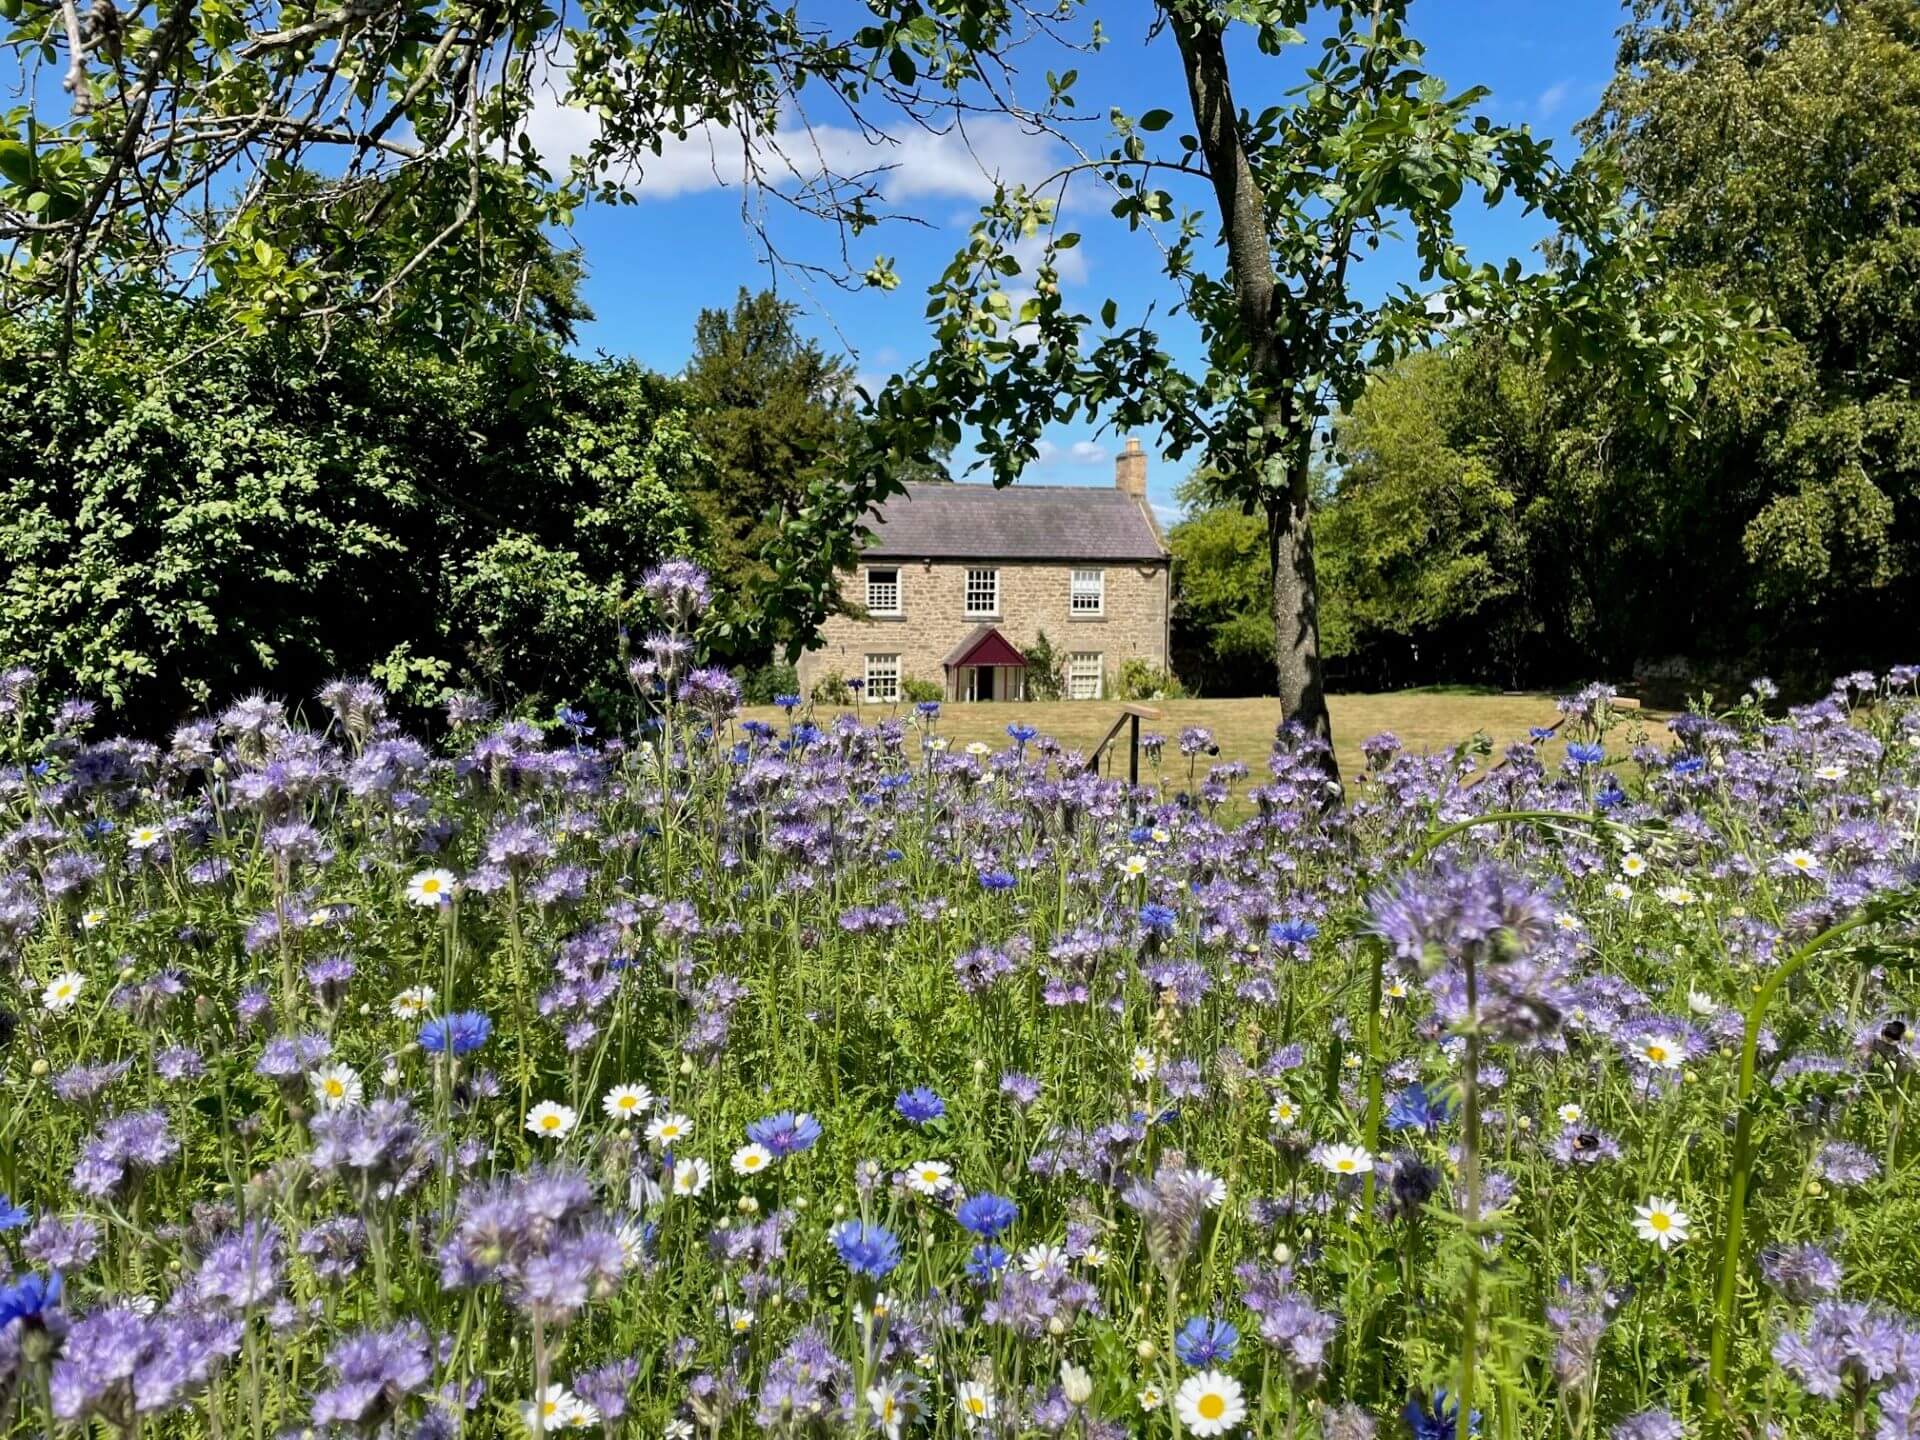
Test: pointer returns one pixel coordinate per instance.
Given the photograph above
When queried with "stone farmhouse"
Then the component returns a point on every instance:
(958, 581)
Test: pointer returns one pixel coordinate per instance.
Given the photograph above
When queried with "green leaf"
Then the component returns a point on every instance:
(1155, 120)
(16, 162)
(902, 66)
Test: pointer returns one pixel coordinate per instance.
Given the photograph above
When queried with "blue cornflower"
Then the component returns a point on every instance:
(1203, 1342)
(1157, 919)
(1440, 1421)
(1689, 766)
(928, 708)
(998, 880)
(1021, 734)
(460, 1034)
(987, 1215)
(572, 719)
(1292, 932)
(985, 1262)
(919, 1106)
(1415, 1108)
(29, 1298)
(785, 1133)
(12, 1216)
(1140, 834)
(1579, 754)
(1539, 732)
(865, 1249)
(789, 703)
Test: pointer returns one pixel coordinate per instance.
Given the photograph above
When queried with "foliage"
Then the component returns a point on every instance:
(764, 684)
(913, 688)
(768, 409)
(686, 1073)
(1497, 521)
(1046, 669)
(188, 513)
(831, 689)
(1223, 613)
(1143, 680)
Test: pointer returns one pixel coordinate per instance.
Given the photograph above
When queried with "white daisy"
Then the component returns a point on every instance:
(1617, 891)
(1212, 1189)
(1701, 1003)
(1135, 866)
(145, 837)
(668, 1130)
(929, 1177)
(1661, 1221)
(63, 990)
(431, 887)
(1569, 1114)
(751, 1159)
(1037, 1258)
(1661, 1052)
(978, 749)
(552, 1410)
(413, 1002)
(1209, 1403)
(1151, 1398)
(93, 919)
(1678, 896)
(632, 1235)
(894, 1405)
(1094, 1258)
(1803, 862)
(336, 1087)
(623, 1102)
(690, 1177)
(1831, 772)
(1396, 989)
(1076, 1385)
(975, 1403)
(1144, 1064)
(1633, 866)
(1284, 1112)
(551, 1121)
(677, 1430)
(1342, 1159)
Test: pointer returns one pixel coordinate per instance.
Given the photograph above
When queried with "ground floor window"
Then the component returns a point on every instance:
(883, 677)
(1085, 671)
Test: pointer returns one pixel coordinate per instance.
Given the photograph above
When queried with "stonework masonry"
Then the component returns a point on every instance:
(1034, 596)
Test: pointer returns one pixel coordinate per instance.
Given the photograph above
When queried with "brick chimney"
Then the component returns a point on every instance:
(1130, 469)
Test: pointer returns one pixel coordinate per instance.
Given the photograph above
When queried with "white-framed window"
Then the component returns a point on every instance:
(883, 677)
(883, 591)
(983, 592)
(1086, 673)
(1087, 592)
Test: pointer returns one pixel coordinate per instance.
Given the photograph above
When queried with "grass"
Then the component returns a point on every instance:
(1430, 719)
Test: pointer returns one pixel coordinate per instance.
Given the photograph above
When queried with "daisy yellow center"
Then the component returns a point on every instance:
(670, 1132)
(751, 1162)
(1212, 1406)
(430, 886)
(1656, 1052)
(626, 1102)
(549, 1122)
(336, 1089)
(1343, 1164)
(1659, 1220)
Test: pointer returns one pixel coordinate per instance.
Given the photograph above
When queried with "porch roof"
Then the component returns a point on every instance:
(985, 646)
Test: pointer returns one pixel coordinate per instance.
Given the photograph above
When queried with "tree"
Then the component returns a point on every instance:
(770, 410)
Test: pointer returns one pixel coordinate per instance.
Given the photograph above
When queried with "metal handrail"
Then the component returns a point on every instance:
(1129, 714)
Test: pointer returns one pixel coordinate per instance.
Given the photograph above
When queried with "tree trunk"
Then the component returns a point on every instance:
(1296, 611)
(1243, 220)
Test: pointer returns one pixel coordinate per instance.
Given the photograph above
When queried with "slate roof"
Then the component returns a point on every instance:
(935, 521)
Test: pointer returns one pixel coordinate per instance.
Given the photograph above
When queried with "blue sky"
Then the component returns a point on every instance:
(685, 244)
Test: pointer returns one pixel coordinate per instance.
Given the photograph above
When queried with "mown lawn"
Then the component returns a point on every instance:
(1243, 729)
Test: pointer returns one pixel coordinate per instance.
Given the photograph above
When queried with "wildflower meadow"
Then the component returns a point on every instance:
(661, 1074)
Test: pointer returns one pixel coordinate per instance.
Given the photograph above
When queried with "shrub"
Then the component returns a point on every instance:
(764, 684)
(1043, 669)
(831, 689)
(916, 690)
(1143, 680)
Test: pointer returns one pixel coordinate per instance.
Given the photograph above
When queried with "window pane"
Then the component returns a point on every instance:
(1085, 670)
(883, 591)
(883, 677)
(1087, 592)
(983, 592)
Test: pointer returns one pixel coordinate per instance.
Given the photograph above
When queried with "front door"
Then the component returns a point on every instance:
(982, 682)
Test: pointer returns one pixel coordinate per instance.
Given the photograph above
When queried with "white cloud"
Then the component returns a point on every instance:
(1552, 98)
(903, 160)
(1080, 452)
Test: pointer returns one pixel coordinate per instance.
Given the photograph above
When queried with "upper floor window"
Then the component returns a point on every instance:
(983, 592)
(1087, 595)
(883, 592)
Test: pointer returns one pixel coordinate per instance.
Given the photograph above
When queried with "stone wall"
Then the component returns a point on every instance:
(1033, 597)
